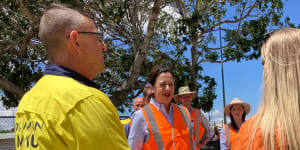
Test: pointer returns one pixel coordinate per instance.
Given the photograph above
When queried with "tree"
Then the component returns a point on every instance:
(134, 49)
(241, 25)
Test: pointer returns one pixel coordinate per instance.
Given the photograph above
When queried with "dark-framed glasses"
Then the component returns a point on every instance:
(100, 35)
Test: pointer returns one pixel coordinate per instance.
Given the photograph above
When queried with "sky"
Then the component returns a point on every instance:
(243, 80)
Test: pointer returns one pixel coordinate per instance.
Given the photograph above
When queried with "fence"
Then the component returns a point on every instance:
(7, 135)
(7, 140)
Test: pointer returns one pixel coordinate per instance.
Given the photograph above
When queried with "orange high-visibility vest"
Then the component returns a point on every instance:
(231, 135)
(198, 129)
(244, 137)
(162, 135)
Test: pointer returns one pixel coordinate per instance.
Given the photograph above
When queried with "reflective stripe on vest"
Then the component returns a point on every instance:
(154, 127)
(199, 129)
(231, 135)
(187, 123)
(162, 135)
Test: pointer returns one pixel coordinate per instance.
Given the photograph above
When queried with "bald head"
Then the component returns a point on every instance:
(138, 103)
(56, 24)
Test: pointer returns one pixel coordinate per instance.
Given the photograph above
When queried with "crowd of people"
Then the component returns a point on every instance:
(65, 109)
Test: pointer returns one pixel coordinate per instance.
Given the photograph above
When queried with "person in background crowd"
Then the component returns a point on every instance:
(65, 110)
(202, 129)
(237, 111)
(276, 124)
(216, 138)
(161, 124)
(138, 103)
(147, 94)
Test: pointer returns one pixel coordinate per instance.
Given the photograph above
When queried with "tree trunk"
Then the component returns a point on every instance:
(128, 85)
(11, 87)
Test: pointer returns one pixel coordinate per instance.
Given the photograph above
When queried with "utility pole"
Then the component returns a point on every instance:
(222, 70)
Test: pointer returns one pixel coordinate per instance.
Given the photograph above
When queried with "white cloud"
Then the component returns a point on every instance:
(172, 11)
(216, 113)
(219, 120)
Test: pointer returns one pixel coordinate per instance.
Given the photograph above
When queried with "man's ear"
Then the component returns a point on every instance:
(74, 41)
(151, 87)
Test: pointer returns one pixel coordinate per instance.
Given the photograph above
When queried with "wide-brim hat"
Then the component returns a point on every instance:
(184, 90)
(236, 101)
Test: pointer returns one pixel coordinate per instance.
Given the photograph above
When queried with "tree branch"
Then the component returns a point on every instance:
(11, 87)
(27, 12)
(34, 30)
(139, 58)
(215, 61)
(230, 21)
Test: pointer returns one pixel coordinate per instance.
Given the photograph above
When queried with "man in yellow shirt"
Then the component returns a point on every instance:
(65, 110)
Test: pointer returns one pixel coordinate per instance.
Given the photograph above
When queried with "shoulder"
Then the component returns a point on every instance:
(249, 123)
(53, 97)
(138, 116)
(247, 129)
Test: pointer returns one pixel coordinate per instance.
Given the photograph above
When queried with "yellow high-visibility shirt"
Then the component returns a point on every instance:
(59, 113)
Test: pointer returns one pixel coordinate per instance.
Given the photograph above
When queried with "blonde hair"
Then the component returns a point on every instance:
(279, 115)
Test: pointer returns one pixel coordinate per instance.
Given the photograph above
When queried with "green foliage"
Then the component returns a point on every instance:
(8, 131)
(183, 43)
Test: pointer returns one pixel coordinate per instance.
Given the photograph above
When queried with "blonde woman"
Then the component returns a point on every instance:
(276, 125)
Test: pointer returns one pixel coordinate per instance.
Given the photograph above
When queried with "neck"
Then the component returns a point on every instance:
(238, 122)
(75, 67)
(189, 107)
(167, 107)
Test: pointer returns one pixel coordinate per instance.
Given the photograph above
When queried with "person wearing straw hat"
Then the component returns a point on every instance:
(237, 111)
(202, 130)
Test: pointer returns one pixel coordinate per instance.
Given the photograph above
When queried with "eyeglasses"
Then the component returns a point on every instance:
(100, 35)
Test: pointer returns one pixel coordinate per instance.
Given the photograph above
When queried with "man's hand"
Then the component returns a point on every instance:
(203, 143)
(200, 144)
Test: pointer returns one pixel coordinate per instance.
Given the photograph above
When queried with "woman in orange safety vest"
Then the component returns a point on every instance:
(276, 124)
(237, 111)
(161, 124)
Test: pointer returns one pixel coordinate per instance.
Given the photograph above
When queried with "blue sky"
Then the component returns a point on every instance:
(243, 79)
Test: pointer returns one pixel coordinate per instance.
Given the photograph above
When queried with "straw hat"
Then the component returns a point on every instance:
(236, 101)
(184, 90)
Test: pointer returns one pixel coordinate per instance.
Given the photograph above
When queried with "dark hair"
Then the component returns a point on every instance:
(156, 71)
(233, 122)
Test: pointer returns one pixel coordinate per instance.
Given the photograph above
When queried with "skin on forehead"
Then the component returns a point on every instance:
(186, 100)
(138, 100)
(138, 103)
